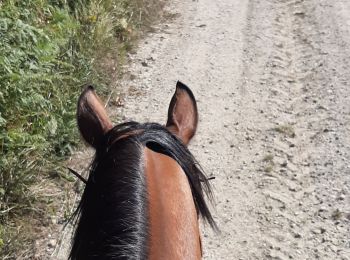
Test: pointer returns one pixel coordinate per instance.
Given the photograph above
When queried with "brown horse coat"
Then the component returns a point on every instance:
(168, 188)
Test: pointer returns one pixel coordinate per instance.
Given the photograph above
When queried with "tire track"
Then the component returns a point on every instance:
(293, 224)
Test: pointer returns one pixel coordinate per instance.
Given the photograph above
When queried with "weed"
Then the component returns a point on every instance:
(48, 48)
(268, 158)
(337, 215)
(287, 130)
(268, 168)
(268, 163)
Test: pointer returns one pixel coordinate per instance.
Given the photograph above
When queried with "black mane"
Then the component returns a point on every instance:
(112, 217)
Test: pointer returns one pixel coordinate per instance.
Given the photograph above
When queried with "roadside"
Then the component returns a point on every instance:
(48, 49)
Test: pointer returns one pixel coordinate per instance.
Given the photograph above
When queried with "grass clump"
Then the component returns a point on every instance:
(268, 158)
(268, 168)
(337, 214)
(48, 49)
(287, 130)
(268, 163)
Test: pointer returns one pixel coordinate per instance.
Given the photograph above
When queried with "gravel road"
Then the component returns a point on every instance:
(272, 82)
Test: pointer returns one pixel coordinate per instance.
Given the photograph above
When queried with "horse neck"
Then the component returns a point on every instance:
(173, 220)
(113, 213)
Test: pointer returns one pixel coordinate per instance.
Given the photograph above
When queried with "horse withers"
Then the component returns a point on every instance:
(145, 190)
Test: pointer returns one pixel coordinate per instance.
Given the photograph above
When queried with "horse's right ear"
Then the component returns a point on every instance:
(92, 118)
(182, 113)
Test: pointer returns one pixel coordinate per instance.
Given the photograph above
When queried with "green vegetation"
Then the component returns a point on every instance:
(268, 158)
(287, 130)
(269, 164)
(337, 214)
(48, 49)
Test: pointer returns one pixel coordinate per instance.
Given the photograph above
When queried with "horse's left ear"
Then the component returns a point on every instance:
(182, 113)
(93, 121)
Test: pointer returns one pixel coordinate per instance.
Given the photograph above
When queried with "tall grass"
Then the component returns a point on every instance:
(48, 48)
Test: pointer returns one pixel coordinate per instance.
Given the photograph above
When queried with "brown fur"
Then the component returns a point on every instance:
(173, 219)
(165, 193)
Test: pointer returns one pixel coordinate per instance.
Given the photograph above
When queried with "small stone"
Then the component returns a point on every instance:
(54, 220)
(341, 197)
(322, 209)
(52, 243)
(297, 235)
(300, 14)
(318, 231)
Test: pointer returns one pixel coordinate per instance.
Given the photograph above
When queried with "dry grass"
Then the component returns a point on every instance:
(268, 163)
(337, 214)
(287, 130)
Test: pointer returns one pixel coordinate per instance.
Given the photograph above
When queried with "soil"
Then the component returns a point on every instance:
(272, 82)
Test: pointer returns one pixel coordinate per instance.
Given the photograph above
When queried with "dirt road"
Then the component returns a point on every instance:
(272, 79)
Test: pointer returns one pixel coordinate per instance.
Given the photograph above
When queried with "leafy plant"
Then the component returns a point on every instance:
(48, 49)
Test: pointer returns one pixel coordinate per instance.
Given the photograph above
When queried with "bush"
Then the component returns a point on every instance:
(48, 48)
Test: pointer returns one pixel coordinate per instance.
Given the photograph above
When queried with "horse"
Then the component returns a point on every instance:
(145, 191)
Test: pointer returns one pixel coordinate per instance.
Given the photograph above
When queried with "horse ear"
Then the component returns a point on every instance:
(182, 113)
(92, 118)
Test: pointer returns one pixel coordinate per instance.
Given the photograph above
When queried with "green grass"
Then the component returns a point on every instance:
(48, 49)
